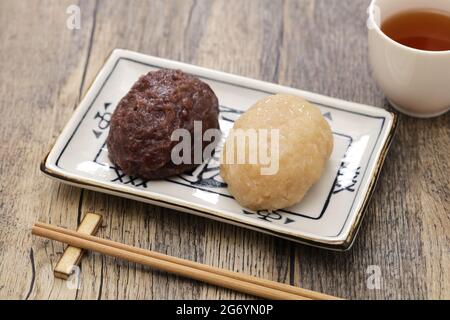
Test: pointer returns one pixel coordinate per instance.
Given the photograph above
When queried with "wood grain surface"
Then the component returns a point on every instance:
(316, 45)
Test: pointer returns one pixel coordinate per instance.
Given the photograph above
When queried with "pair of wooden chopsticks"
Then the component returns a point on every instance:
(220, 277)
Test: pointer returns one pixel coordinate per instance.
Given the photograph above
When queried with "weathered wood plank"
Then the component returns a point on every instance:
(42, 66)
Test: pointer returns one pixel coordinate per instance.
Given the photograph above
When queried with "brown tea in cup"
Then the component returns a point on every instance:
(420, 29)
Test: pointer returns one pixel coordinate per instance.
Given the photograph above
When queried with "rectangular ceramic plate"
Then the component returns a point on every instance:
(329, 215)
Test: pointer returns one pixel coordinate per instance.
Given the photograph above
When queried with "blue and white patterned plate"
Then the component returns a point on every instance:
(329, 215)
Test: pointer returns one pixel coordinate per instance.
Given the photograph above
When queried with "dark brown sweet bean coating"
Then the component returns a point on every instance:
(144, 120)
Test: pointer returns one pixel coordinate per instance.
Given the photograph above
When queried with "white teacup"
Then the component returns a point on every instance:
(416, 82)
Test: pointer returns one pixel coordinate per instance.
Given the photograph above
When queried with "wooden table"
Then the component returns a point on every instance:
(314, 45)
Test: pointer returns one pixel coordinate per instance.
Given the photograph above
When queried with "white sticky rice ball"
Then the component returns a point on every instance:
(305, 143)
